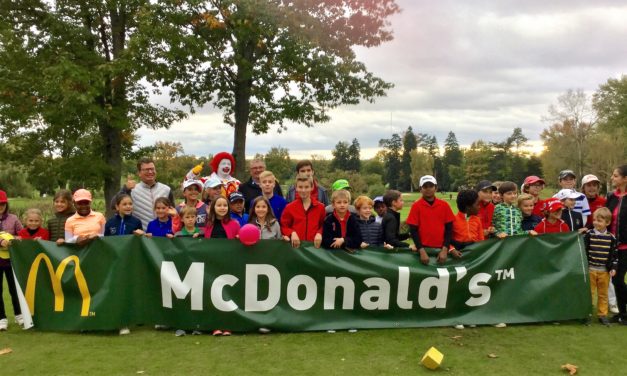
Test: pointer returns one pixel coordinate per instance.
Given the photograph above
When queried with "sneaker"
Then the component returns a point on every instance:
(500, 325)
(617, 319)
(472, 326)
(459, 326)
(125, 331)
(216, 332)
(614, 309)
(603, 320)
(352, 330)
(19, 319)
(180, 333)
(330, 331)
(161, 327)
(196, 333)
(264, 330)
(226, 333)
(4, 324)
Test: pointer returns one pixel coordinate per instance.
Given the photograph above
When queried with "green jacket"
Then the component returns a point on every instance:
(507, 219)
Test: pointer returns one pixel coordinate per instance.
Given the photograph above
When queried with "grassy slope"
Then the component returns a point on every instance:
(521, 350)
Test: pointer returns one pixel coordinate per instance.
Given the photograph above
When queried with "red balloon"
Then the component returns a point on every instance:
(249, 234)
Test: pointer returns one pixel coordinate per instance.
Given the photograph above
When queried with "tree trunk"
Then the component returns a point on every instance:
(112, 155)
(243, 89)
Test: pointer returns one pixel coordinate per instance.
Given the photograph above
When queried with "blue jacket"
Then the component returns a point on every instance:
(158, 228)
(118, 225)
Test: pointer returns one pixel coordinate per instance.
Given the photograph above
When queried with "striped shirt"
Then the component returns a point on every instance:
(601, 250)
(144, 197)
(582, 206)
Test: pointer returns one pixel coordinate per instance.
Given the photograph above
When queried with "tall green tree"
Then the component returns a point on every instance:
(70, 81)
(278, 161)
(610, 103)
(341, 156)
(392, 159)
(271, 63)
(354, 155)
(410, 144)
(452, 158)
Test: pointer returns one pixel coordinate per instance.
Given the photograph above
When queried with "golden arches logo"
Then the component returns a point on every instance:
(55, 279)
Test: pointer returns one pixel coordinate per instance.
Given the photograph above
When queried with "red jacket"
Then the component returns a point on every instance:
(546, 227)
(306, 223)
(41, 233)
(595, 203)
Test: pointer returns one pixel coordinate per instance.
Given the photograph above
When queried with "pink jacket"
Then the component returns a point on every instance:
(231, 228)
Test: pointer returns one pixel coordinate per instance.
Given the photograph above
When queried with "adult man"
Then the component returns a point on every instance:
(252, 188)
(146, 191)
(306, 167)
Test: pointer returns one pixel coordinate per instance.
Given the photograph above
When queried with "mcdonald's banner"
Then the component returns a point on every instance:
(205, 284)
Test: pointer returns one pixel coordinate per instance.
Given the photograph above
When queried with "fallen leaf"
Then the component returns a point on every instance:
(140, 372)
(492, 356)
(570, 368)
(6, 351)
(456, 337)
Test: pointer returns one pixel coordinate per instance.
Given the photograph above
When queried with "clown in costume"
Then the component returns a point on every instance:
(222, 165)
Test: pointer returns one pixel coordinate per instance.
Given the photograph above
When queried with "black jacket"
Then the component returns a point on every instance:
(573, 219)
(252, 190)
(371, 231)
(391, 224)
(621, 226)
(332, 229)
(530, 222)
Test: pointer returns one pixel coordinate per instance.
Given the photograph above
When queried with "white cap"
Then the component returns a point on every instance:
(589, 178)
(567, 193)
(212, 182)
(190, 182)
(427, 179)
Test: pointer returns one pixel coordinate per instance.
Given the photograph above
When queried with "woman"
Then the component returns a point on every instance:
(617, 203)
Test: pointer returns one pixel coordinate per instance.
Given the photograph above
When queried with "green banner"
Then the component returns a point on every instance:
(205, 284)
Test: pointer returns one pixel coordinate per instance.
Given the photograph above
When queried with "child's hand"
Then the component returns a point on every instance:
(491, 230)
(388, 246)
(424, 257)
(533, 233)
(148, 235)
(4, 243)
(169, 236)
(60, 241)
(337, 242)
(295, 240)
(442, 255)
(412, 247)
(364, 245)
(138, 232)
(612, 272)
(286, 238)
(172, 211)
(317, 240)
(501, 235)
(37, 238)
(455, 253)
(582, 230)
(196, 235)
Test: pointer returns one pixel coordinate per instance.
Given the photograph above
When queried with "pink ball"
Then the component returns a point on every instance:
(249, 234)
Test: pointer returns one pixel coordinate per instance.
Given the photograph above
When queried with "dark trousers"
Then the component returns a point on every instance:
(619, 283)
(6, 270)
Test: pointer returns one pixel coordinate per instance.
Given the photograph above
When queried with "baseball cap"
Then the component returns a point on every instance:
(427, 179)
(236, 196)
(212, 182)
(566, 193)
(566, 173)
(483, 184)
(340, 184)
(3, 197)
(378, 199)
(589, 178)
(190, 182)
(82, 195)
(532, 180)
(553, 205)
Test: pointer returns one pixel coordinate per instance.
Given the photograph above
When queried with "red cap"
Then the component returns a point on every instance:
(553, 204)
(532, 180)
(3, 197)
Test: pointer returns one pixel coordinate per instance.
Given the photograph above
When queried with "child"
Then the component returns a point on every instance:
(533, 185)
(391, 222)
(63, 210)
(191, 192)
(277, 202)
(262, 216)
(190, 229)
(602, 260)
(162, 225)
(85, 225)
(552, 221)
(302, 218)
(591, 186)
(497, 198)
(467, 227)
(219, 223)
(486, 208)
(33, 229)
(379, 208)
(527, 208)
(123, 222)
(507, 220)
(430, 222)
(213, 190)
(371, 230)
(340, 229)
(236, 206)
(567, 180)
(9, 227)
(573, 219)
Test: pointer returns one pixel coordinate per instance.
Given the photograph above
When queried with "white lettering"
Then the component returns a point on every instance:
(217, 291)
(311, 290)
(441, 286)
(402, 293)
(193, 282)
(348, 292)
(475, 289)
(252, 302)
(378, 299)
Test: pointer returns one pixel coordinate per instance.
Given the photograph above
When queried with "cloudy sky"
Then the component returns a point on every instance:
(479, 68)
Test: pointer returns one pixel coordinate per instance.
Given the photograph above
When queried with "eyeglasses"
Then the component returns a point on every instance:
(147, 170)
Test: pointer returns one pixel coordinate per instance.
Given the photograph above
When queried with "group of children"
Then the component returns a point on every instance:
(487, 211)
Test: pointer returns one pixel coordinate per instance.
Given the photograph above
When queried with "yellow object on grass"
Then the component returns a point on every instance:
(432, 358)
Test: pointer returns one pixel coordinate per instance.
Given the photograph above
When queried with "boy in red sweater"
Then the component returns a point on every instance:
(430, 222)
(302, 218)
(486, 208)
(552, 221)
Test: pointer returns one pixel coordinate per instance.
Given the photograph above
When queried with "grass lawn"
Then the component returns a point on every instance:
(520, 350)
